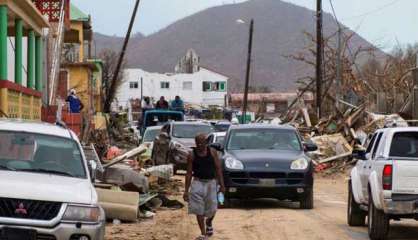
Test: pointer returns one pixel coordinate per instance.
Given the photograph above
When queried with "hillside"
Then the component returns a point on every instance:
(103, 41)
(221, 42)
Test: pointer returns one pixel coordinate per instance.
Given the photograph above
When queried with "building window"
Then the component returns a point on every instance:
(207, 86)
(133, 85)
(187, 85)
(165, 85)
(222, 86)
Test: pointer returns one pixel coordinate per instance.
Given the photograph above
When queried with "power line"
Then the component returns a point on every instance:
(349, 48)
(373, 11)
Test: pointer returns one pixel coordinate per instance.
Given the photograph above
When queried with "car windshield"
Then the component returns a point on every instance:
(259, 139)
(189, 130)
(404, 144)
(151, 134)
(41, 154)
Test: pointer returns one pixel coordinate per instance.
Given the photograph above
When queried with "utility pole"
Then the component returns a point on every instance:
(113, 84)
(247, 76)
(142, 89)
(319, 58)
(338, 79)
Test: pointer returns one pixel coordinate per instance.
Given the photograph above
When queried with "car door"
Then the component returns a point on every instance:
(363, 166)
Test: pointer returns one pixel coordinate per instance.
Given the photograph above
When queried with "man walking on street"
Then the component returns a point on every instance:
(203, 174)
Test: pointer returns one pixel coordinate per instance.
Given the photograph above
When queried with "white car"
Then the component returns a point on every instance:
(384, 182)
(46, 191)
(216, 137)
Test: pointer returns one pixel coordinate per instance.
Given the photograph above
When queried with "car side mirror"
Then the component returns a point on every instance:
(310, 147)
(217, 146)
(359, 154)
(93, 169)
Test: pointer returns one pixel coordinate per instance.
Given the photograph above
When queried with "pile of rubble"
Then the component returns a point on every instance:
(128, 189)
(337, 135)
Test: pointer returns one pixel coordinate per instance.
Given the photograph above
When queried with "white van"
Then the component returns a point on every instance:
(46, 191)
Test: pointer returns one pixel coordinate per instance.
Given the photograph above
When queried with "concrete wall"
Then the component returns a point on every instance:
(79, 78)
(152, 87)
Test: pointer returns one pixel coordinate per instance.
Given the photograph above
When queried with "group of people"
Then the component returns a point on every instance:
(177, 104)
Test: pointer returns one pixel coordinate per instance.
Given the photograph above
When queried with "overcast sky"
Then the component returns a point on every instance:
(382, 22)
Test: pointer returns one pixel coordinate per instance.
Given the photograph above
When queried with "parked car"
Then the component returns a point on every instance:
(384, 183)
(46, 191)
(159, 118)
(175, 142)
(222, 126)
(267, 161)
(217, 137)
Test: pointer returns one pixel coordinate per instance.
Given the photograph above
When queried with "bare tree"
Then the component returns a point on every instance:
(110, 60)
(351, 80)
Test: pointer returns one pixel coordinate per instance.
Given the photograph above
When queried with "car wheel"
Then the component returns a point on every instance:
(355, 216)
(378, 222)
(307, 201)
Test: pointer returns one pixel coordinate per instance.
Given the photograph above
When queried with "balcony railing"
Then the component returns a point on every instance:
(17, 101)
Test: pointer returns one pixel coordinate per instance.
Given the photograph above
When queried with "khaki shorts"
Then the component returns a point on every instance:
(203, 200)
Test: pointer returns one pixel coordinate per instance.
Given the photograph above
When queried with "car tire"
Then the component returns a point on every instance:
(355, 215)
(307, 200)
(378, 222)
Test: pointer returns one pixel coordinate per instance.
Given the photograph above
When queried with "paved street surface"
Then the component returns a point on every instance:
(265, 220)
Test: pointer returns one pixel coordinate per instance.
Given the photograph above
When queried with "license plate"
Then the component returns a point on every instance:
(18, 234)
(267, 182)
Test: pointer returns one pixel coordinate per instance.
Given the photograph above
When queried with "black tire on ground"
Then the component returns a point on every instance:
(307, 200)
(378, 222)
(355, 215)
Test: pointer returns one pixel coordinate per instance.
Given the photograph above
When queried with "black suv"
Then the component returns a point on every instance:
(267, 161)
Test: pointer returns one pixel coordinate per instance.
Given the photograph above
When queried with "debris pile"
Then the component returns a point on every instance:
(127, 188)
(338, 134)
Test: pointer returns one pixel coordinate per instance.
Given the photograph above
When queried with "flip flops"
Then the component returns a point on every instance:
(202, 237)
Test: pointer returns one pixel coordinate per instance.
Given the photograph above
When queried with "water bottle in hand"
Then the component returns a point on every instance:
(221, 198)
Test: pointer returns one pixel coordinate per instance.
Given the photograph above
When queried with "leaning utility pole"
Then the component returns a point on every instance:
(113, 84)
(319, 58)
(247, 76)
(338, 79)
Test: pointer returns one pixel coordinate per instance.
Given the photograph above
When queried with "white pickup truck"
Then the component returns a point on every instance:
(384, 183)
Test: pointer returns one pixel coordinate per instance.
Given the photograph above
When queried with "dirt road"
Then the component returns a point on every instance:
(265, 220)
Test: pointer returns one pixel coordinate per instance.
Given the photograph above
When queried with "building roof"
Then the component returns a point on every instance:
(77, 15)
(270, 97)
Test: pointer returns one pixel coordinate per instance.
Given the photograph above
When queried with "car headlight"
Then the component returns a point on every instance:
(88, 214)
(233, 163)
(299, 164)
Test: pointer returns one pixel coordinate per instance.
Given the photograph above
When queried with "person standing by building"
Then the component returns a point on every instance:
(177, 104)
(162, 103)
(76, 106)
(204, 173)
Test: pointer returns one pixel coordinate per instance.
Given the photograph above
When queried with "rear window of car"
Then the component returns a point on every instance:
(404, 144)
